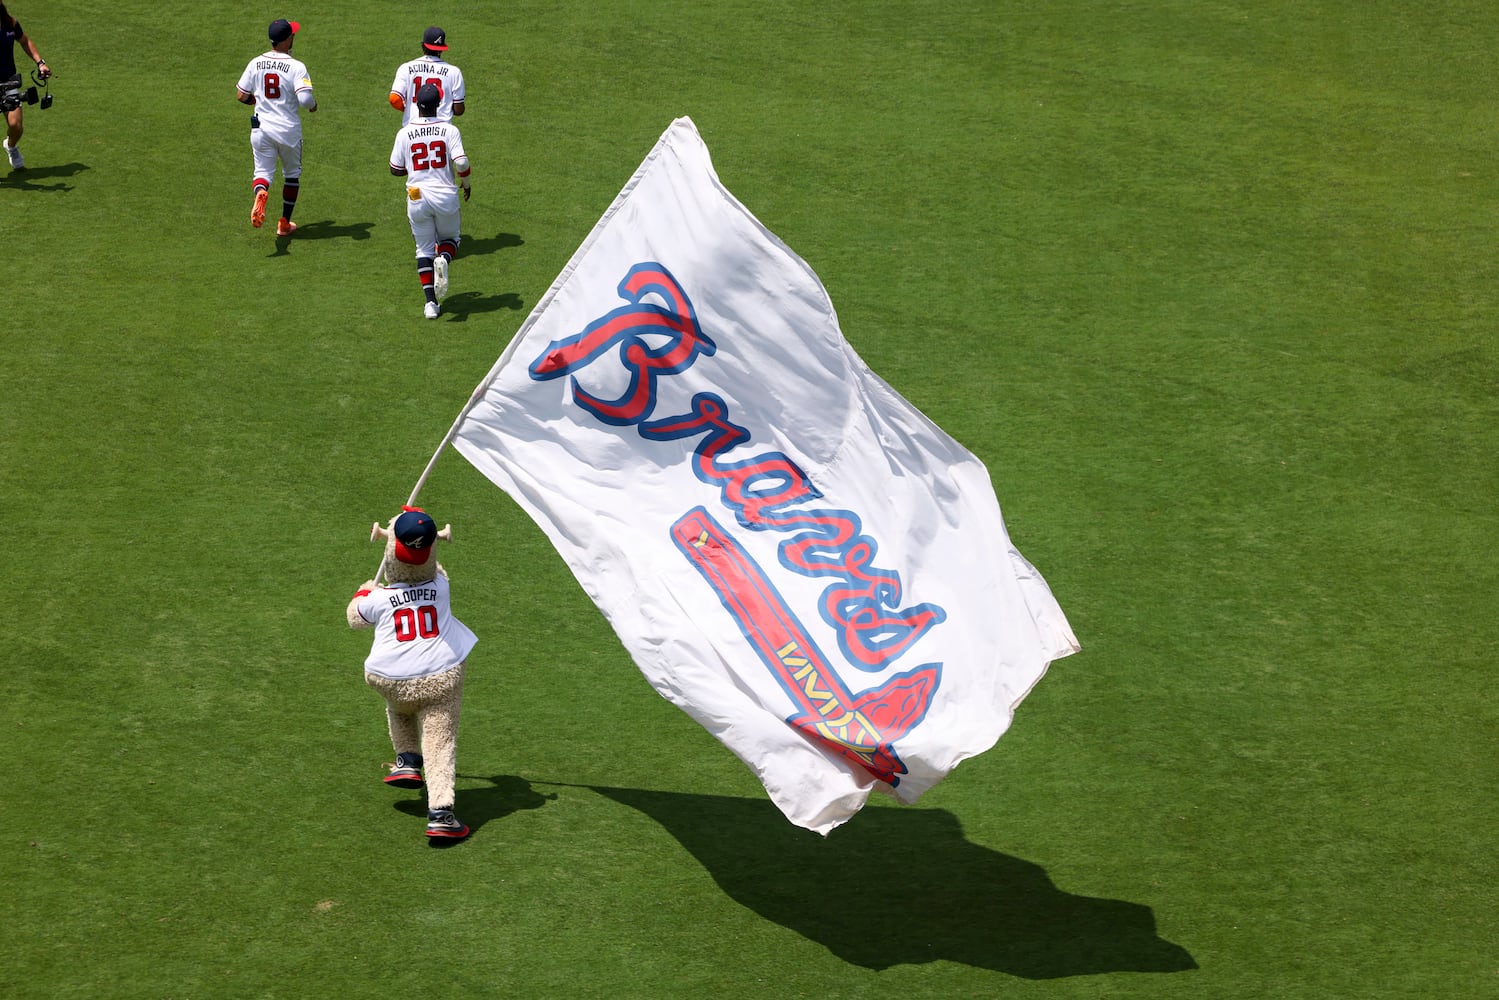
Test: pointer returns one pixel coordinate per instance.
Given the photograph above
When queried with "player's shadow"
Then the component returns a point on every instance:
(25, 179)
(898, 886)
(326, 229)
(464, 304)
(498, 797)
(476, 246)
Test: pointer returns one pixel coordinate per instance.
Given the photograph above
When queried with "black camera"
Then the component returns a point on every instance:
(12, 96)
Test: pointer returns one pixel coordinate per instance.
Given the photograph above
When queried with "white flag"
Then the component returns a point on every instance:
(791, 552)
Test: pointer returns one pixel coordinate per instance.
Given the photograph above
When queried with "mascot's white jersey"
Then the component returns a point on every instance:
(415, 631)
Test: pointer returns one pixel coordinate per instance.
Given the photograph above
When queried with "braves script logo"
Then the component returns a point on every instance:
(655, 335)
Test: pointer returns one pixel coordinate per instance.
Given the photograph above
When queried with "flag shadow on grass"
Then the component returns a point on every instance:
(901, 886)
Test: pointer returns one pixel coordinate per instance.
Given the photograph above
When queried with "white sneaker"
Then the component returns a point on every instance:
(440, 277)
(17, 161)
(431, 310)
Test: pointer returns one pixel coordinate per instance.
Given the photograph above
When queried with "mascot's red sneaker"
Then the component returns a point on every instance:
(442, 823)
(407, 772)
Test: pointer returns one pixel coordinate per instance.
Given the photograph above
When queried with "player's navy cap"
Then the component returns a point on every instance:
(282, 29)
(415, 532)
(435, 39)
(428, 97)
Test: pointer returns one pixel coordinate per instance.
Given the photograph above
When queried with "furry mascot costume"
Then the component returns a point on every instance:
(417, 661)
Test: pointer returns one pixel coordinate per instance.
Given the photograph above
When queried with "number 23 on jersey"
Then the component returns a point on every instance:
(429, 155)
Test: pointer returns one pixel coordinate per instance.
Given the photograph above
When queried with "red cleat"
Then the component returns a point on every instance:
(257, 213)
(285, 227)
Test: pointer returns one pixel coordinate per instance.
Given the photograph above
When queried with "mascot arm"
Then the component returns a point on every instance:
(356, 620)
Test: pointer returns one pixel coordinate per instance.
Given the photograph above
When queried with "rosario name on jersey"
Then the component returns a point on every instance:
(275, 80)
(447, 78)
(426, 149)
(415, 631)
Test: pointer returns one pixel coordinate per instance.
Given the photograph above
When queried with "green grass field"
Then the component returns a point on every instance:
(1210, 287)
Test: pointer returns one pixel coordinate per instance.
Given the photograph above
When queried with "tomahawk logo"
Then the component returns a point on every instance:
(764, 492)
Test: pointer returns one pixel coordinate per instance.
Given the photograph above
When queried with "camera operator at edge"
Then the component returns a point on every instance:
(10, 81)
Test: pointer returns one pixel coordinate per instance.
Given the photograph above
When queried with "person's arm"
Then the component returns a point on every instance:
(461, 168)
(398, 90)
(460, 93)
(398, 157)
(244, 87)
(352, 613)
(29, 47)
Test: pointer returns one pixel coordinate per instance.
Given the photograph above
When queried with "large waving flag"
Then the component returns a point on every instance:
(791, 552)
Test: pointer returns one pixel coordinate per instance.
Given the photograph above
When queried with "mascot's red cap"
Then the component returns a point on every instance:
(415, 532)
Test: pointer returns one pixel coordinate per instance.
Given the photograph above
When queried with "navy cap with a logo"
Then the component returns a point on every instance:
(435, 39)
(415, 532)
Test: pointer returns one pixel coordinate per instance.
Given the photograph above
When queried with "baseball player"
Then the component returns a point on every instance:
(417, 662)
(429, 154)
(430, 68)
(277, 86)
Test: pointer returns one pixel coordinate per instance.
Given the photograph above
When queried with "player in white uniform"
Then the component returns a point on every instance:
(429, 154)
(431, 68)
(417, 663)
(277, 86)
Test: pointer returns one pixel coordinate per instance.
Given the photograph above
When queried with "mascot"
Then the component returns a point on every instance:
(417, 661)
